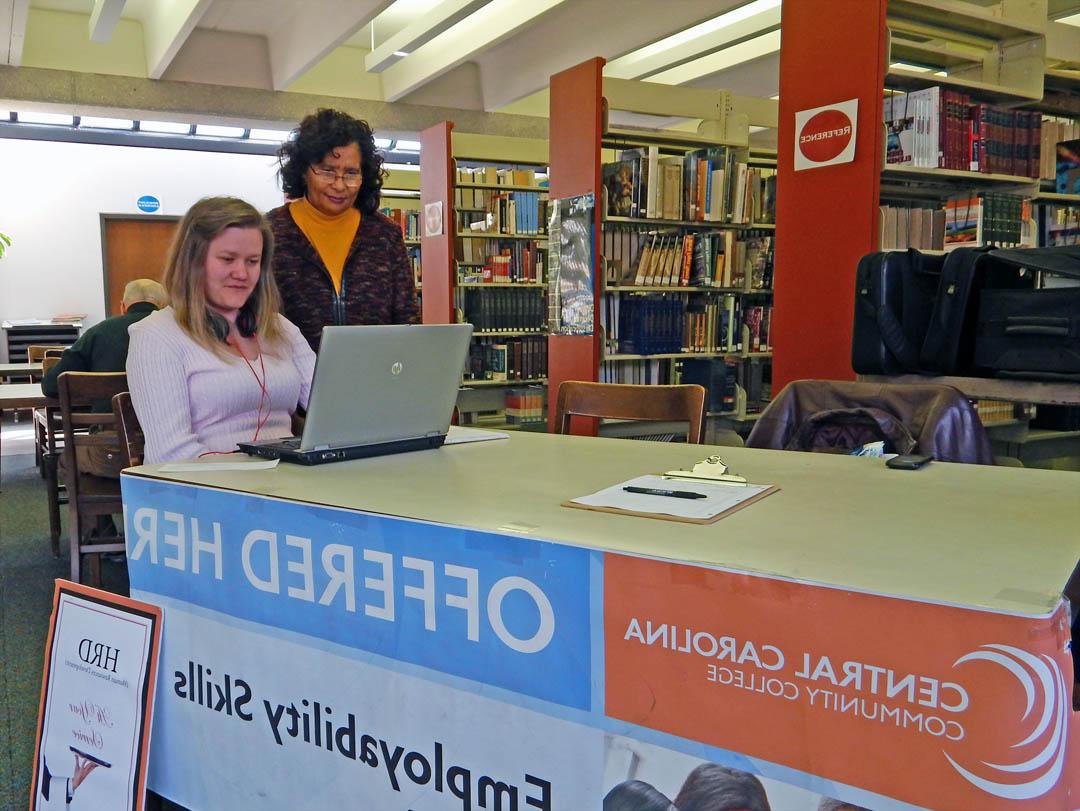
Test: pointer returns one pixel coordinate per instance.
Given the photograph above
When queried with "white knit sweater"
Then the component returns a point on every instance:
(190, 401)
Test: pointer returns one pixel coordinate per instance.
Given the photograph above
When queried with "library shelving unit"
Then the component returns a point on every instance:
(660, 300)
(484, 240)
(401, 203)
(993, 51)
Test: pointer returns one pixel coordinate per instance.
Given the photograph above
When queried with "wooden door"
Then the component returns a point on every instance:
(133, 248)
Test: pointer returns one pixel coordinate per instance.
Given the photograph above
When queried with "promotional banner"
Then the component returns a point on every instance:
(96, 699)
(321, 658)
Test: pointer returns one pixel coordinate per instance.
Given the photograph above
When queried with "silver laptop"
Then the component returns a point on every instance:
(377, 390)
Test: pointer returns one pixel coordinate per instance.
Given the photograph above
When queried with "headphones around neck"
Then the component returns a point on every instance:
(246, 323)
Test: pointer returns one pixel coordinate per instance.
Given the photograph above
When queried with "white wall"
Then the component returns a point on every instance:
(52, 196)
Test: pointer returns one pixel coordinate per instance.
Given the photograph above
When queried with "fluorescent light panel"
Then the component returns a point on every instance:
(101, 123)
(651, 58)
(406, 146)
(745, 51)
(169, 127)
(274, 136)
(401, 167)
(217, 131)
(1072, 19)
(383, 143)
(56, 119)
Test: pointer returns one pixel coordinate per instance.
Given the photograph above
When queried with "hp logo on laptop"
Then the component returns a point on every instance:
(397, 368)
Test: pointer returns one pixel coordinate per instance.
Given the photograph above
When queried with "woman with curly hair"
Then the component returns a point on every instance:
(337, 260)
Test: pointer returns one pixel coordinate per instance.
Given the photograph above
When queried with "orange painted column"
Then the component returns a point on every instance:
(575, 130)
(437, 272)
(827, 217)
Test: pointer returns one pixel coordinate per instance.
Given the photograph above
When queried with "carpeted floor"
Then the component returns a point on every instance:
(27, 572)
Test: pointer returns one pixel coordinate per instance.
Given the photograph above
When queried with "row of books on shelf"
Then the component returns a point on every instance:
(1062, 226)
(503, 309)
(523, 358)
(986, 219)
(732, 386)
(658, 324)
(413, 253)
(1056, 131)
(660, 259)
(407, 219)
(487, 260)
(940, 128)
(494, 176)
(525, 405)
(513, 212)
(637, 373)
(903, 228)
(704, 185)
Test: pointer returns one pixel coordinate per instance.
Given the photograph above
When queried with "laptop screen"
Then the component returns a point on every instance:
(377, 384)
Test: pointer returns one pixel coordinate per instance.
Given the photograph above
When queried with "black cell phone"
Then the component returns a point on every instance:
(907, 461)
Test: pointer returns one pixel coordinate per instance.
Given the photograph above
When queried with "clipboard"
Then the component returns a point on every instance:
(723, 498)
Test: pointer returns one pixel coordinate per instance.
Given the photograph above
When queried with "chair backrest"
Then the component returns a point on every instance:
(128, 428)
(35, 353)
(82, 390)
(685, 403)
(48, 362)
(937, 419)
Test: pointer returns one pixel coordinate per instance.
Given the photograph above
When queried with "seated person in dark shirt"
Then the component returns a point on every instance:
(104, 348)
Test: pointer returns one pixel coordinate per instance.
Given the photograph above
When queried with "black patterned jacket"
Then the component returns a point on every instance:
(376, 285)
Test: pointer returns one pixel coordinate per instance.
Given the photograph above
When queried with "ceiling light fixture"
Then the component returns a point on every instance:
(167, 127)
(406, 146)
(745, 51)
(55, 119)
(101, 123)
(693, 41)
(1072, 19)
(383, 143)
(272, 136)
(217, 131)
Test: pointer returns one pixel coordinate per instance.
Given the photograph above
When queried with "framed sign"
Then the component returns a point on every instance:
(97, 696)
(825, 136)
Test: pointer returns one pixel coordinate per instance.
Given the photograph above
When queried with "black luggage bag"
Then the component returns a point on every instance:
(1032, 333)
(894, 297)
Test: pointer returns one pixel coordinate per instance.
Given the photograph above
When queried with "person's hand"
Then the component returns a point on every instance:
(83, 767)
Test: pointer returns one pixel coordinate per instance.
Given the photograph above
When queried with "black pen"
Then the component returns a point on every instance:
(652, 491)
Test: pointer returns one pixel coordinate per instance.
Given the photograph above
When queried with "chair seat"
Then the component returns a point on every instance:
(97, 488)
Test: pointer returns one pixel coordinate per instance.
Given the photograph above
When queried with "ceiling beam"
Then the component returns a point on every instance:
(166, 27)
(749, 49)
(13, 15)
(103, 19)
(317, 29)
(496, 21)
(64, 91)
(436, 20)
(699, 40)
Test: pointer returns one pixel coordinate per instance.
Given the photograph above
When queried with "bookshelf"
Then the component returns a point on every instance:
(668, 204)
(401, 203)
(487, 266)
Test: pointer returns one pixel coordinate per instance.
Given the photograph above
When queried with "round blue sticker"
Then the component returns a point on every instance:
(148, 203)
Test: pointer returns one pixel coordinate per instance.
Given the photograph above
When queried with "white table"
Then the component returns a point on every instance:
(448, 603)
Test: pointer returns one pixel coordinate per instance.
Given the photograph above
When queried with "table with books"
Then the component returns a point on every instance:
(434, 630)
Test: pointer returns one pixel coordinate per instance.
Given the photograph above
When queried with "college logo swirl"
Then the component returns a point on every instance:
(1046, 692)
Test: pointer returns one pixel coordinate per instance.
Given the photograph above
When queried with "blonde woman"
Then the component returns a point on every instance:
(221, 365)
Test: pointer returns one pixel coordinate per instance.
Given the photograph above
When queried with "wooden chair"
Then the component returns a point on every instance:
(36, 353)
(685, 403)
(90, 498)
(128, 429)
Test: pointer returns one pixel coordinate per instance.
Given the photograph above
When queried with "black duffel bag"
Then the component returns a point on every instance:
(895, 293)
(1031, 333)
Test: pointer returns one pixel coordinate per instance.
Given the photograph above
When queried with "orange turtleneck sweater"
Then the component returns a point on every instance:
(331, 236)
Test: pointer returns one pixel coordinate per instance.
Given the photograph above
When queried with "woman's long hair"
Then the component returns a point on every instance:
(185, 273)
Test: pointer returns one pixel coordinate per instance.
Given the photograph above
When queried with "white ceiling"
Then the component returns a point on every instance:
(491, 54)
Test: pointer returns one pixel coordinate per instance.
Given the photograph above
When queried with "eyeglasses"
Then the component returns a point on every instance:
(350, 177)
